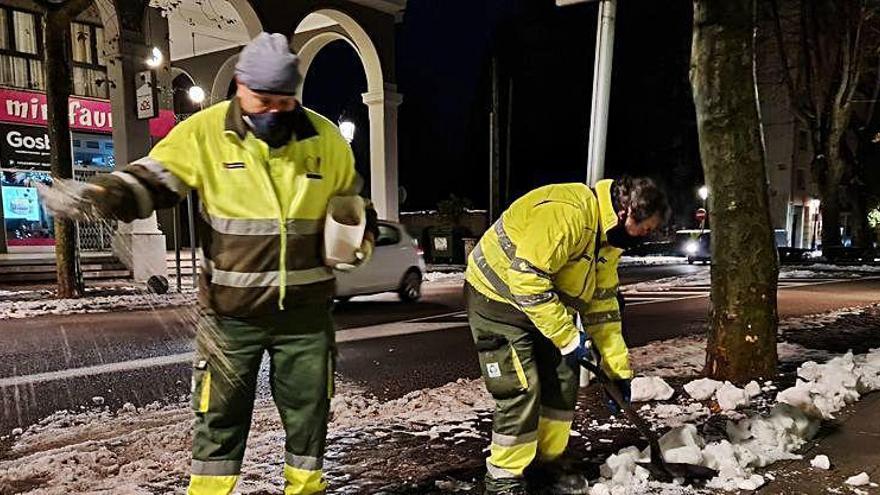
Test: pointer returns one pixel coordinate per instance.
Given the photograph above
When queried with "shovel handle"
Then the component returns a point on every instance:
(628, 411)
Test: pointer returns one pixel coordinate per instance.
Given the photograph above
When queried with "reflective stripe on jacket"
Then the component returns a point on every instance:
(541, 258)
(259, 254)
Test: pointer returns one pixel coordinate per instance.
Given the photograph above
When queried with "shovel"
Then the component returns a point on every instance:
(662, 470)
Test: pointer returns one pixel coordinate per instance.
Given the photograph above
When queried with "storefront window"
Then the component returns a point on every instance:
(93, 152)
(26, 220)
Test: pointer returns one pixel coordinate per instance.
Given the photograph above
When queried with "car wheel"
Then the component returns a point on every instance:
(411, 287)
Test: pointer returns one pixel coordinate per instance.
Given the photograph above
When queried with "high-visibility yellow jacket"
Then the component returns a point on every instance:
(261, 253)
(541, 257)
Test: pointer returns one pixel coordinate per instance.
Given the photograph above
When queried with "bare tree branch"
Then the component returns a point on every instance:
(798, 106)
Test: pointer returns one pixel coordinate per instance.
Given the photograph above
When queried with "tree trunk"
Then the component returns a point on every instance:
(59, 74)
(830, 169)
(742, 315)
(862, 236)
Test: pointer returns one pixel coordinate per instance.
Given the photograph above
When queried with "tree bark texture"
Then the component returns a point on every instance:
(58, 61)
(742, 315)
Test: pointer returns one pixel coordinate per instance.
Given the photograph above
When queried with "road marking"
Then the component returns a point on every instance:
(407, 327)
(135, 364)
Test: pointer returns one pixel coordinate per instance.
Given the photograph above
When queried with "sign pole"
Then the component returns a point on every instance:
(601, 91)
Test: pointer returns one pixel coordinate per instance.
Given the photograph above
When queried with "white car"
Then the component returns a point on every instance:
(397, 265)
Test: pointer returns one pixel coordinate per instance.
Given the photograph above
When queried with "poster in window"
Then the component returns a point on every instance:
(21, 203)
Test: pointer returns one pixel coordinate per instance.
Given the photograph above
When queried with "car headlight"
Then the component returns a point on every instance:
(692, 247)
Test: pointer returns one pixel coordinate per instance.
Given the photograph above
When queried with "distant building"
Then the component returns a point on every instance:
(794, 203)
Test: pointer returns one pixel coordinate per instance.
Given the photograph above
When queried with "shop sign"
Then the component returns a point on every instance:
(86, 114)
(146, 95)
(23, 147)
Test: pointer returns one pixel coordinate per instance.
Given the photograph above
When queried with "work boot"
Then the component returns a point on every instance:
(557, 478)
(511, 486)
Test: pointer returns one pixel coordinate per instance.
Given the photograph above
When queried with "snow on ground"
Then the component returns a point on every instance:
(825, 267)
(147, 450)
(652, 260)
(704, 277)
(23, 306)
(442, 277)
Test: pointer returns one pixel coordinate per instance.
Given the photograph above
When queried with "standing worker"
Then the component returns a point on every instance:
(265, 169)
(551, 258)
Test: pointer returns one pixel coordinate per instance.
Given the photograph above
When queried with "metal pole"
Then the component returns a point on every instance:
(495, 148)
(601, 91)
(176, 226)
(192, 236)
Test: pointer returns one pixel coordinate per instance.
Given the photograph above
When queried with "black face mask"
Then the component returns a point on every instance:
(273, 128)
(620, 238)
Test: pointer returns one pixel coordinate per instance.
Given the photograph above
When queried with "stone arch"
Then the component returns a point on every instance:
(380, 98)
(315, 44)
(225, 73)
(356, 36)
(248, 15)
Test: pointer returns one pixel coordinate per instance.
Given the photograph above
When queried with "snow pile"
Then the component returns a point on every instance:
(673, 415)
(730, 397)
(759, 440)
(823, 389)
(860, 479)
(682, 444)
(702, 389)
(646, 388)
(821, 462)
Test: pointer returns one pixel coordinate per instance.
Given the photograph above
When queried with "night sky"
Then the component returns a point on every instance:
(444, 54)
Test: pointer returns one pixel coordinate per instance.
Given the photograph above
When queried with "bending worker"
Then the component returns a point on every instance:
(265, 169)
(551, 257)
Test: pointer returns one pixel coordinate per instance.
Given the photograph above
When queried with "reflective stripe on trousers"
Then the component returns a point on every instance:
(303, 481)
(211, 485)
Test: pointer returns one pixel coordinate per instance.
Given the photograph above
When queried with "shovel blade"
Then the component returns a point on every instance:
(669, 471)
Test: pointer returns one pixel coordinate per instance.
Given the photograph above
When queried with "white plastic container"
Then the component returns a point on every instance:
(344, 229)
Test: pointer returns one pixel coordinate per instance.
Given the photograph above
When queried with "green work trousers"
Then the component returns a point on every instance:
(301, 349)
(535, 390)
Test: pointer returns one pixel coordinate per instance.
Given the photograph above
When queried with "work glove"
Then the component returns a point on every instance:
(624, 386)
(72, 199)
(582, 351)
(362, 256)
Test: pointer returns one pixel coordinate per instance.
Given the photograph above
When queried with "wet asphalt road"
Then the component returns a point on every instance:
(71, 362)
